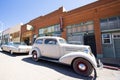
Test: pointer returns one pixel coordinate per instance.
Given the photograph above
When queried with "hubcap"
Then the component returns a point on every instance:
(34, 56)
(82, 67)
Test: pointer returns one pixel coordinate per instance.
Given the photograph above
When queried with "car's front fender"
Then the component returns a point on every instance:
(68, 58)
(35, 49)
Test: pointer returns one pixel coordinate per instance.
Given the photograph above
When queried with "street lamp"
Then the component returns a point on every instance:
(29, 27)
(10, 38)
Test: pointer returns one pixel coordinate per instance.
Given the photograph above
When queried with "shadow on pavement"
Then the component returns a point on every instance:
(13, 55)
(64, 69)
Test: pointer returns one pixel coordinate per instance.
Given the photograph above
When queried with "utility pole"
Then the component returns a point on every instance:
(1, 26)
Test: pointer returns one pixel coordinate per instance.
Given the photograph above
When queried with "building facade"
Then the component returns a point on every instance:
(12, 34)
(96, 24)
(15, 33)
(6, 36)
(0, 38)
(50, 24)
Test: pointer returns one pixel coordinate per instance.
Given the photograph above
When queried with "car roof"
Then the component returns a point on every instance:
(52, 37)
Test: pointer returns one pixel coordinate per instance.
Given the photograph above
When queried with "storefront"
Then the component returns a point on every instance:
(82, 33)
(110, 28)
(6, 38)
(27, 37)
(96, 24)
(15, 37)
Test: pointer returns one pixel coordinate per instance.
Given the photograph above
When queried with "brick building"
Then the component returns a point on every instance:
(96, 24)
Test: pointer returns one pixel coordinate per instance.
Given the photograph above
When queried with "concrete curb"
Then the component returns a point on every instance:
(111, 67)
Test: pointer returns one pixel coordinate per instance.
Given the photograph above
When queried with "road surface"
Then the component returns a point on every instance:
(22, 67)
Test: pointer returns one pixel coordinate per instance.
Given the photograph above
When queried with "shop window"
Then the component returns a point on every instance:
(116, 36)
(41, 31)
(79, 29)
(90, 27)
(84, 28)
(49, 30)
(69, 29)
(112, 23)
(106, 38)
(52, 29)
(103, 24)
(57, 27)
(74, 29)
(119, 21)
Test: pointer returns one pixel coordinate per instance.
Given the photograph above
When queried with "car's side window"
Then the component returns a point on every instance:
(9, 44)
(51, 41)
(39, 41)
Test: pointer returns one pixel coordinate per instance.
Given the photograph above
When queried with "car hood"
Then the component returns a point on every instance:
(72, 47)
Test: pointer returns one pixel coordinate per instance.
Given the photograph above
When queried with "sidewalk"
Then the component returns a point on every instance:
(113, 67)
(112, 63)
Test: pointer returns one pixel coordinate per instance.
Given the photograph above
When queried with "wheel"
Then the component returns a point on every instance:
(2, 49)
(82, 67)
(35, 56)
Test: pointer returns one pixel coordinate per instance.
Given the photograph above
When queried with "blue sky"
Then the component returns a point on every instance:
(13, 12)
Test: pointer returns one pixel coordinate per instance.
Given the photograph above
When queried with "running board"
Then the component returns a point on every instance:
(50, 59)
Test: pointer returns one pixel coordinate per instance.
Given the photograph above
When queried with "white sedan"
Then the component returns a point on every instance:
(16, 47)
(56, 49)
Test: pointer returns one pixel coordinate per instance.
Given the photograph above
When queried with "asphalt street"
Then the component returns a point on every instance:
(22, 67)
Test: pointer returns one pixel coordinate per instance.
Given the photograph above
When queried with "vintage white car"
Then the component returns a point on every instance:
(56, 49)
(16, 47)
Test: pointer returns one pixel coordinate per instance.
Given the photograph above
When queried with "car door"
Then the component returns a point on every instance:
(39, 44)
(8, 46)
(4, 47)
(51, 48)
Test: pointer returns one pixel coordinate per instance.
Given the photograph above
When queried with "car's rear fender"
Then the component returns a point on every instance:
(35, 49)
(70, 57)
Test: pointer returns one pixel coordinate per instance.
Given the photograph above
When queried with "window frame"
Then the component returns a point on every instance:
(36, 42)
(49, 41)
(110, 23)
(107, 38)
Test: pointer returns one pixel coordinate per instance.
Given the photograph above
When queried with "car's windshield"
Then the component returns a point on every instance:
(62, 41)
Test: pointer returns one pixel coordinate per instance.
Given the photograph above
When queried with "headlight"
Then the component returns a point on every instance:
(86, 51)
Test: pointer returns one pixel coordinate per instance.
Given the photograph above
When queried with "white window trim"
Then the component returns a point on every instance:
(116, 35)
(107, 38)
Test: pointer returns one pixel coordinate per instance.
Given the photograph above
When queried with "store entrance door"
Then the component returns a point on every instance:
(116, 39)
(89, 39)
